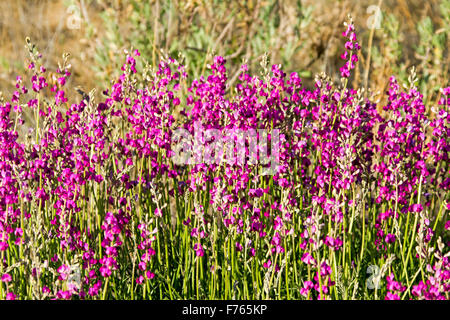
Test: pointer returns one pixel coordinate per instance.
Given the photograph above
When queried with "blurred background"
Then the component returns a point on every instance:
(302, 35)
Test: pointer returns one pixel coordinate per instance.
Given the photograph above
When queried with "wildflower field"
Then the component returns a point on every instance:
(174, 178)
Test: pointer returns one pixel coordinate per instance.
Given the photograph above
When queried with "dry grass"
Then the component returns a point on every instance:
(225, 28)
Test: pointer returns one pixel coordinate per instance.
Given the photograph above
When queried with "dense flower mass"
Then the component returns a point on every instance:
(93, 205)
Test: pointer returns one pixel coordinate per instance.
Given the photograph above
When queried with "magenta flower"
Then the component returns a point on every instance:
(158, 212)
(105, 271)
(199, 250)
(10, 296)
(267, 264)
(392, 296)
(390, 238)
(308, 259)
(6, 278)
(63, 271)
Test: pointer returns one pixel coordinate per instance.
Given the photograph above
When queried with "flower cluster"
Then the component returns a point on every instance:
(95, 184)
